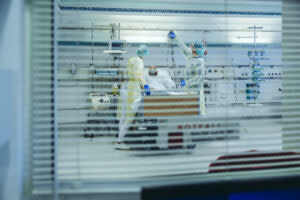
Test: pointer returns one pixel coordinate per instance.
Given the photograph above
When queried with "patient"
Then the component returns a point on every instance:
(159, 79)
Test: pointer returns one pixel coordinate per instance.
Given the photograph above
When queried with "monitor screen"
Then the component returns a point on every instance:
(259, 189)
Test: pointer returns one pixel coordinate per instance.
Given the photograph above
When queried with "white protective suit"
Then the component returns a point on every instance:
(130, 95)
(161, 81)
(194, 72)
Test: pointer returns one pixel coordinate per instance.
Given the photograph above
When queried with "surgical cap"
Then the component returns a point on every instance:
(200, 50)
(197, 44)
(142, 51)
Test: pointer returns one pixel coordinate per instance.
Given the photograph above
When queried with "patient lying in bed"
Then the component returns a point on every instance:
(159, 81)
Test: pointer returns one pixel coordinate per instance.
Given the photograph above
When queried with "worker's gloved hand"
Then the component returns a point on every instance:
(182, 83)
(171, 35)
(147, 89)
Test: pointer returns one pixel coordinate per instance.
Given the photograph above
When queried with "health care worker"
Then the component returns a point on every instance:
(130, 93)
(194, 71)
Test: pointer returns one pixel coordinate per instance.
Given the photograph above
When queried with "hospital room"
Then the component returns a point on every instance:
(158, 87)
(123, 96)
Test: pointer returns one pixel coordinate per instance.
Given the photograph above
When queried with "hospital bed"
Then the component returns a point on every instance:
(164, 108)
(162, 103)
(176, 115)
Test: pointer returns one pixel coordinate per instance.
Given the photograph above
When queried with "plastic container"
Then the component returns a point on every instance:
(99, 101)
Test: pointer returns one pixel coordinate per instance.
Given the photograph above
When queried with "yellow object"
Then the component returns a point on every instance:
(130, 92)
(114, 89)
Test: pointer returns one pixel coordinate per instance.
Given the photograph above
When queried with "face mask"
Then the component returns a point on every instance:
(153, 72)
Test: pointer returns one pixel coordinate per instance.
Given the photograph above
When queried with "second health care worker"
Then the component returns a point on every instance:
(130, 94)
